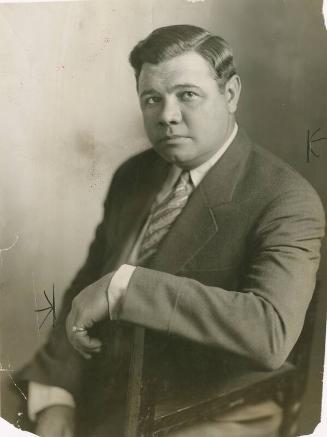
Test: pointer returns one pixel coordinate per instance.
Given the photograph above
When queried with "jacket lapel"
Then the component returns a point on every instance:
(197, 223)
(194, 227)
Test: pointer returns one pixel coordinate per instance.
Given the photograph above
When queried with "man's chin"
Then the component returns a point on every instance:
(172, 153)
(175, 158)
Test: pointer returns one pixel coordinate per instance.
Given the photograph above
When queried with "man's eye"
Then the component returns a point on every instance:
(188, 96)
(152, 100)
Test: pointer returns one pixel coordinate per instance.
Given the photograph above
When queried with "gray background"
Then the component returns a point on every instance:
(69, 116)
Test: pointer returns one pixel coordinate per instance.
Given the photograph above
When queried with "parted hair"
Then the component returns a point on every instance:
(167, 42)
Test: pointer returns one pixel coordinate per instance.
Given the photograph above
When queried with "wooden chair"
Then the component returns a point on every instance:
(146, 418)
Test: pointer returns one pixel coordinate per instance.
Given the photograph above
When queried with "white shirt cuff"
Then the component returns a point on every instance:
(41, 396)
(117, 289)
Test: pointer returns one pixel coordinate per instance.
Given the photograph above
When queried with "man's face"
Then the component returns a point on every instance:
(186, 117)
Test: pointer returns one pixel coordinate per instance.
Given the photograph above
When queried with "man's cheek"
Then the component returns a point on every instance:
(152, 133)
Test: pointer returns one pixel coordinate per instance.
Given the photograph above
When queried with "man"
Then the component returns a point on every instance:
(207, 240)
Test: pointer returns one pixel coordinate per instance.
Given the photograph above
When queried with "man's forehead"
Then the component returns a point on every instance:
(188, 68)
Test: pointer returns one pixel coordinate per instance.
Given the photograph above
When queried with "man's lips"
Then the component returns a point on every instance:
(171, 138)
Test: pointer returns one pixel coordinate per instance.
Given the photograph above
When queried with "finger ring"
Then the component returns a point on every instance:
(78, 329)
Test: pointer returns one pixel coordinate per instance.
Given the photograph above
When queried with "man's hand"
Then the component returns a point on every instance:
(88, 307)
(56, 421)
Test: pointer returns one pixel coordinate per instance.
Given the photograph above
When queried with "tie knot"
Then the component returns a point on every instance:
(184, 179)
(185, 176)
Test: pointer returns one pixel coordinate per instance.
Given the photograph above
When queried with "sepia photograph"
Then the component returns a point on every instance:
(162, 218)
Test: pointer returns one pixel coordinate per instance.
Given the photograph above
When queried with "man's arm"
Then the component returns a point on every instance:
(57, 363)
(263, 319)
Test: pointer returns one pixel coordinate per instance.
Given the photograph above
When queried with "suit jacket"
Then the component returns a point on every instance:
(228, 288)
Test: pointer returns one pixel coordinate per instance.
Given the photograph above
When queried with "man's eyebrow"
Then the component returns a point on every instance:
(147, 92)
(184, 85)
(173, 88)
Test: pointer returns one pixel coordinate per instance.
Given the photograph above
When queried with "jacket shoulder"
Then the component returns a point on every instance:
(137, 161)
(265, 181)
(271, 174)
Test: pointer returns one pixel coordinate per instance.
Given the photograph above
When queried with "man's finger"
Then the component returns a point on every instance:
(84, 354)
(87, 343)
(81, 351)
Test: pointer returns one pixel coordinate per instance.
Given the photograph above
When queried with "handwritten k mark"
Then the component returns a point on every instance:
(310, 140)
(50, 309)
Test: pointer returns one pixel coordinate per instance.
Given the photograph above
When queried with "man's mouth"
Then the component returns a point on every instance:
(171, 138)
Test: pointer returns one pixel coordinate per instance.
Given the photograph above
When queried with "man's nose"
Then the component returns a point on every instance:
(170, 112)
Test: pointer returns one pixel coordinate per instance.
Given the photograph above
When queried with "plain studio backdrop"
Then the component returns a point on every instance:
(69, 115)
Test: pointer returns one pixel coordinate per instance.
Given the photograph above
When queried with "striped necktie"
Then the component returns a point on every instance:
(163, 215)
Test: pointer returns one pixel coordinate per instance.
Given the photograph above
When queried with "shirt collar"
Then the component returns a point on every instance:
(198, 173)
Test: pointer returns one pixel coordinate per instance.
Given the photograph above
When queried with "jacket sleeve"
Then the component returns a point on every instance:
(57, 363)
(263, 319)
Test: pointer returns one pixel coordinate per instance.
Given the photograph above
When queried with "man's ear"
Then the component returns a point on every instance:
(232, 93)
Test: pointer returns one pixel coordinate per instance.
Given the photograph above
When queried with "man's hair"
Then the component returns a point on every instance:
(167, 42)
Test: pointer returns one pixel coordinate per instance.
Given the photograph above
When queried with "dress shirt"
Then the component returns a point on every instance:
(42, 396)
